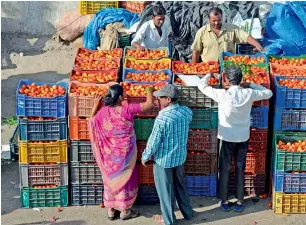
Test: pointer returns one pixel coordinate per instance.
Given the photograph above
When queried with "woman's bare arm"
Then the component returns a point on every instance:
(149, 104)
(97, 105)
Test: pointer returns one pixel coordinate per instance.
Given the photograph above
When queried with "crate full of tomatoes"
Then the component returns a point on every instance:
(202, 68)
(95, 76)
(146, 76)
(157, 53)
(148, 64)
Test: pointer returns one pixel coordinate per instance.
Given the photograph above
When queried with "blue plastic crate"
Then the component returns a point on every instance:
(147, 195)
(202, 185)
(289, 182)
(43, 130)
(289, 97)
(285, 120)
(259, 117)
(41, 107)
(127, 70)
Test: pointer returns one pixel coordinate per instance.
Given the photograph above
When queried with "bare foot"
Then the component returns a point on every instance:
(159, 219)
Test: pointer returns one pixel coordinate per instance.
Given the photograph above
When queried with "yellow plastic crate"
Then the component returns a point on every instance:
(92, 7)
(54, 152)
(163, 60)
(289, 203)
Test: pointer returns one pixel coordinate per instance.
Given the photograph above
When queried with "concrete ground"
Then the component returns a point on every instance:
(52, 66)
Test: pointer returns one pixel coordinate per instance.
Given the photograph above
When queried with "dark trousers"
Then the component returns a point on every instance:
(227, 151)
(170, 185)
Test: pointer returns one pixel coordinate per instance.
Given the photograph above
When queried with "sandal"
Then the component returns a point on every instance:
(130, 214)
(159, 219)
(113, 215)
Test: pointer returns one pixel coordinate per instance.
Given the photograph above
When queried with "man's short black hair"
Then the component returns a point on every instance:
(159, 10)
(233, 74)
(216, 11)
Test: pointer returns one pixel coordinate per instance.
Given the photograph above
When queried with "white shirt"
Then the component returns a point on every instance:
(235, 106)
(148, 36)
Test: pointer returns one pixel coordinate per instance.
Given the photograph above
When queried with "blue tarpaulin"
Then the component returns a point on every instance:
(286, 29)
(101, 19)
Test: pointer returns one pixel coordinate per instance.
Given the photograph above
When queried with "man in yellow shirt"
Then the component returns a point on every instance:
(215, 38)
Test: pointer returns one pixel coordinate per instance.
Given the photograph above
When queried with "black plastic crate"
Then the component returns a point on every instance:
(147, 195)
(83, 173)
(14, 145)
(86, 194)
(81, 151)
(254, 184)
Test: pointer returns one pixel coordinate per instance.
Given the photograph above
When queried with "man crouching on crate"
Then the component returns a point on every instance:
(234, 129)
(167, 144)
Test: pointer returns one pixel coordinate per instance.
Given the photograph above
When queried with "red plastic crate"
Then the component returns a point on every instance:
(141, 145)
(294, 71)
(255, 163)
(145, 174)
(83, 60)
(253, 184)
(96, 73)
(80, 50)
(199, 163)
(136, 6)
(203, 140)
(78, 128)
(258, 140)
(149, 114)
(174, 63)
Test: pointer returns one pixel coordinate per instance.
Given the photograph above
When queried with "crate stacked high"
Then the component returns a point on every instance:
(289, 137)
(43, 153)
(151, 68)
(94, 71)
(202, 145)
(255, 70)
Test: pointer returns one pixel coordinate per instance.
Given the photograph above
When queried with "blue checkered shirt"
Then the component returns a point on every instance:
(168, 140)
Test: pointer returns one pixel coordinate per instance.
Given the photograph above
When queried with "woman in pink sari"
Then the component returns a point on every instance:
(113, 142)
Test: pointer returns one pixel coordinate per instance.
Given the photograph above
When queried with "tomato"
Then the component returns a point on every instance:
(34, 90)
(247, 60)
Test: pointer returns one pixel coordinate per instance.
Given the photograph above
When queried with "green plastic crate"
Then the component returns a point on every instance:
(204, 119)
(44, 197)
(289, 161)
(125, 40)
(143, 128)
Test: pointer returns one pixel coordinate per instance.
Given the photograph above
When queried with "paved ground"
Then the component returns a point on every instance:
(55, 66)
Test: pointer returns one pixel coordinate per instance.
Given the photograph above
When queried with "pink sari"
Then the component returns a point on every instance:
(113, 142)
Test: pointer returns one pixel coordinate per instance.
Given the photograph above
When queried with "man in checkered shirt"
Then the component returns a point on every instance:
(168, 145)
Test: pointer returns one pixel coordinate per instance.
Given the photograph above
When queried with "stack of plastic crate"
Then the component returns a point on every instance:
(202, 145)
(255, 171)
(43, 153)
(94, 71)
(289, 137)
(145, 69)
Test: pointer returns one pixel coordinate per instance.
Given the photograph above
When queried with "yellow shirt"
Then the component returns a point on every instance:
(211, 46)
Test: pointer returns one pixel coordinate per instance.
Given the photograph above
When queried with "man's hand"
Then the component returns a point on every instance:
(143, 162)
(245, 85)
(141, 48)
(260, 48)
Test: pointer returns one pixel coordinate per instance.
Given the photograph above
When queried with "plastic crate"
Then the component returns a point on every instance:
(291, 71)
(14, 144)
(53, 152)
(83, 173)
(143, 128)
(125, 40)
(246, 49)
(132, 47)
(258, 140)
(254, 184)
(96, 73)
(93, 51)
(198, 163)
(136, 6)
(78, 128)
(81, 151)
(152, 113)
(163, 60)
(86, 194)
(96, 62)
(289, 203)
(202, 185)
(129, 70)
(92, 7)
(255, 163)
(44, 197)
(193, 97)
(222, 62)
(82, 105)
(259, 117)
(204, 119)
(43, 130)
(145, 174)
(289, 182)
(147, 195)
(203, 141)
(289, 120)
(289, 97)
(193, 72)
(41, 107)
(289, 161)
(31, 175)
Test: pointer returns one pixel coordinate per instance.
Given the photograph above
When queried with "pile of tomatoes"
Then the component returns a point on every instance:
(34, 90)
(93, 77)
(39, 118)
(293, 83)
(100, 54)
(298, 146)
(137, 65)
(290, 71)
(147, 77)
(244, 59)
(289, 62)
(93, 64)
(138, 90)
(196, 68)
(146, 54)
(44, 186)
(90, 90)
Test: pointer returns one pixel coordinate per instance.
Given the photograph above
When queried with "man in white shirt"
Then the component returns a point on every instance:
(233, 129)
(154, 33)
